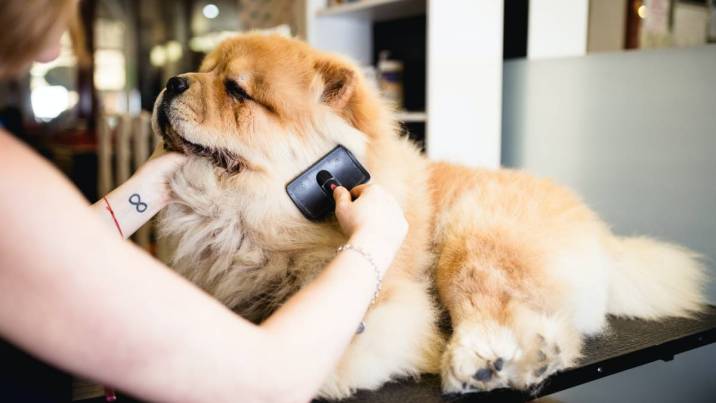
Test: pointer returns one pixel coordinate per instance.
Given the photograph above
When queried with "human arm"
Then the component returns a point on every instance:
(75, 295)
(142, 196)
(335, 302)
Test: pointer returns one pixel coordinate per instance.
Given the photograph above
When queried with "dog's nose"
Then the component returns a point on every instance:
(176, 85)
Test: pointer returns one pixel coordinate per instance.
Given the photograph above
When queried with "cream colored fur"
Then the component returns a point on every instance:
(653, 279)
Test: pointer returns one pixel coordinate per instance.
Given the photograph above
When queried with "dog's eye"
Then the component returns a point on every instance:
(235, 90)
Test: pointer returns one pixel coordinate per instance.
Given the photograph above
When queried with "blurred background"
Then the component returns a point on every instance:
(614, 98)
(443, 63)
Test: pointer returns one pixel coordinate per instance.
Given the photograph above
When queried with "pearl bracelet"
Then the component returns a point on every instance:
(369, 258)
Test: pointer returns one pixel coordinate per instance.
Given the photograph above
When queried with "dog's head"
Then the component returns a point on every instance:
(266, 103)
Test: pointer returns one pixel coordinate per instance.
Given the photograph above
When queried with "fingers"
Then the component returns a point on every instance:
(166, 163)
(341, 196)
(358, 190)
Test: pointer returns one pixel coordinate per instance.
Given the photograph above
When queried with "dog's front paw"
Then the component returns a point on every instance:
(550, 345)
(485, 356)
(479, 356)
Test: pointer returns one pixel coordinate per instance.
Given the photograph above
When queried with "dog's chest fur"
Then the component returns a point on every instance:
(241, 240)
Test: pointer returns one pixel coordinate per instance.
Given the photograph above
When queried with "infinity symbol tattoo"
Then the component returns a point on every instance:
(137, 202)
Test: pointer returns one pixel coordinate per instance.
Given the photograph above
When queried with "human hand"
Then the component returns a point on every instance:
(163, 163)
(154, 175)
(134, 202)
(375, 218)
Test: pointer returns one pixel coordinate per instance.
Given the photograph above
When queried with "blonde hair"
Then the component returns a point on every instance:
(27, 26)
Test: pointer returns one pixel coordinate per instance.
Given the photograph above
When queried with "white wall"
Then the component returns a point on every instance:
(557, 28)
(464, 81)
(345, 34)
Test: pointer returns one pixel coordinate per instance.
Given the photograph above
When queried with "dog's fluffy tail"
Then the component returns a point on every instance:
(653, 279)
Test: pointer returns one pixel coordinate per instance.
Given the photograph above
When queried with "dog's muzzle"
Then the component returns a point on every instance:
(175, 87)
(173, 141)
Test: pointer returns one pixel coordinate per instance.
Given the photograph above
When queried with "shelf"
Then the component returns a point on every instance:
(376, 10)
(411, 117)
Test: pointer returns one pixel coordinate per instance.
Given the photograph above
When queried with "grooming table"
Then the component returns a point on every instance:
(628, 344)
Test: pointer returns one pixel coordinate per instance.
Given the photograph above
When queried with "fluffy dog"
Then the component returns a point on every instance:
(523, 268)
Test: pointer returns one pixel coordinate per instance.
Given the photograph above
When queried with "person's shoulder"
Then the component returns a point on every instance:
(19, 164)
(9, 145)
(14, 153)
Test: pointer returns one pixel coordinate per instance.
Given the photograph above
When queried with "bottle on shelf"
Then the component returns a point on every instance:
(390, 79)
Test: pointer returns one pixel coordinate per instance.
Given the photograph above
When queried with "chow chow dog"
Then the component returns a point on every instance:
(522, 267)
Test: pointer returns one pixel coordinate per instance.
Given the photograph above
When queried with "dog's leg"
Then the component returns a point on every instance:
(508, 329)
(400, 339)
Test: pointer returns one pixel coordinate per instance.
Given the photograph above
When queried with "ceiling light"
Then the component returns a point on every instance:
(210, 11)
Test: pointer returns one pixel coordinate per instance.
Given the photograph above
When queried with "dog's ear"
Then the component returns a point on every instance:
(339, 82)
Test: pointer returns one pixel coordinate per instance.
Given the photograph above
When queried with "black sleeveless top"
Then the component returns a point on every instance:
(23, 379)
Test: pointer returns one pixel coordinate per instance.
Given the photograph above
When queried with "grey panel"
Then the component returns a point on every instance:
(635, 134)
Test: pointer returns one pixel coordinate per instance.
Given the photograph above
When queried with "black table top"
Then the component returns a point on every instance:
(627, 344)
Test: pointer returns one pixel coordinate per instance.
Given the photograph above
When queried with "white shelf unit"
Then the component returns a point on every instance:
(464, 66)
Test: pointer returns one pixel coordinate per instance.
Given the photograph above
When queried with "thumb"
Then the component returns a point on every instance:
(341, 196)
(172, 158)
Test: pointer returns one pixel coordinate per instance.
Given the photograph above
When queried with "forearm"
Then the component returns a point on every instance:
(330, 309)
(133, 204)
(113, 314)
(142, 333)
(132, 324)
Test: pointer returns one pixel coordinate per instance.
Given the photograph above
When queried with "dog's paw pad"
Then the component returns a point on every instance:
(483, 374)
(543, 358)
(478, 358)
(498, 364)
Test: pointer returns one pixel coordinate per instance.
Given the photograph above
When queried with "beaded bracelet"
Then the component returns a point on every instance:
(369, 258)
